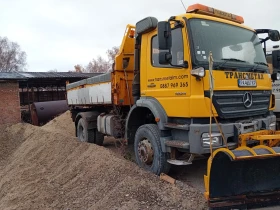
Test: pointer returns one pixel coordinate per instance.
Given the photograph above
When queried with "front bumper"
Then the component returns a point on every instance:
(231, 132)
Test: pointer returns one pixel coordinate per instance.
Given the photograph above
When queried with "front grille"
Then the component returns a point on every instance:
(229, 104)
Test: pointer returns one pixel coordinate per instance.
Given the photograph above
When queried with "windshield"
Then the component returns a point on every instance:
(229, 44)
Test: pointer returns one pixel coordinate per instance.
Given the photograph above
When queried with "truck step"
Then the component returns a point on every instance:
(183, 162)
(179, 162)
(177, 126)
(177, 144)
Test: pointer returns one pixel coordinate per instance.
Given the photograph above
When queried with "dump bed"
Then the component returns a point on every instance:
(113, 88)
(94, 90)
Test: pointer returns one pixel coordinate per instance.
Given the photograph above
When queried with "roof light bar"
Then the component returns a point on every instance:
(202, 9)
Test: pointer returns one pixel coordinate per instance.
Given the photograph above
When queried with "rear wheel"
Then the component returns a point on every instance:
(89, 135)
(148, 151)
(98, 137)
(82, 131)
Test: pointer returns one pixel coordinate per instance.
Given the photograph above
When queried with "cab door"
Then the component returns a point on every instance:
(168, 84)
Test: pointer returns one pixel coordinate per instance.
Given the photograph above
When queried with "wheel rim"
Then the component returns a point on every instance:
(146, 152)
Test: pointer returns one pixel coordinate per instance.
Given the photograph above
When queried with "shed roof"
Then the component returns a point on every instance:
(44, 79)
(40, 75)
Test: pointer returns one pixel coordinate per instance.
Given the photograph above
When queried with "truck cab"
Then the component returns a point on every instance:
(174, 75)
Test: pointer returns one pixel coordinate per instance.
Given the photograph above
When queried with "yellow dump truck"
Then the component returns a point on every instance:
(194, 85)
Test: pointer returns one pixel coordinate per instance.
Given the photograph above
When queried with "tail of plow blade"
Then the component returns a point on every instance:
(243, 177)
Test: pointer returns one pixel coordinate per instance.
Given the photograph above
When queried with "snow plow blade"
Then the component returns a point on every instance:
(243, 177)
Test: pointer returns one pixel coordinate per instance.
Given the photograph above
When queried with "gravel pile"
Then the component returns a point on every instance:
(47, 168)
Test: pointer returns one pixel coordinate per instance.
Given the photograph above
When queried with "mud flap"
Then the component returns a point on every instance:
(245, 176)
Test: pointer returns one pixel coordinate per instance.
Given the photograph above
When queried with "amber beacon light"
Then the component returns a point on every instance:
(202, 9)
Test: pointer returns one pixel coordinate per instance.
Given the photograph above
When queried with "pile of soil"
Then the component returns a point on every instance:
(48, 168)
(62, 124)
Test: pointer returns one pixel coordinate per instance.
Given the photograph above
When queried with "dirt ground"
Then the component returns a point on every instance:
(47, 168)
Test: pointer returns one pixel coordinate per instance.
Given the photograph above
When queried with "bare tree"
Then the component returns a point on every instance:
(111, 53)
(79, 68)
(101, 65)
(12, 59)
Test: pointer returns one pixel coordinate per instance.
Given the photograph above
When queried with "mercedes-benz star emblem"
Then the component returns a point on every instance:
(247, 100)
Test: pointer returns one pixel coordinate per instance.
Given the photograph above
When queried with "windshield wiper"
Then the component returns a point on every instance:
(229, 59)
(233, 59)
(261, 63)
(254, 69)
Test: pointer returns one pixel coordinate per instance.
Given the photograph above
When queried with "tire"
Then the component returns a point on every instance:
(147, 138)
(91, 135)
(98, 137)
(82, 131)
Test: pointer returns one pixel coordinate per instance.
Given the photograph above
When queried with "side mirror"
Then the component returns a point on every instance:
(164, 35)
(276, 59)
(274, 35)
(164, 58)
(164, 42)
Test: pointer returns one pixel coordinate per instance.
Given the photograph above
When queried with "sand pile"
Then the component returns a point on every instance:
(47, 168)
(62, 124)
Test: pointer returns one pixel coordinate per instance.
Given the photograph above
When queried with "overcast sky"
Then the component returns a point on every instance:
(57, 34)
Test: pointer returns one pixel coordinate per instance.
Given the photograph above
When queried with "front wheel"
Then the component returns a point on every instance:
(148, 151)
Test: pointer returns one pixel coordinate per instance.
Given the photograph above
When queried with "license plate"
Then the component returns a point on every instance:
(247, 83)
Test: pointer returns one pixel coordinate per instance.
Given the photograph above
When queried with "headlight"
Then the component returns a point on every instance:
(272, 126)
(199, 72)
(216, 139)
